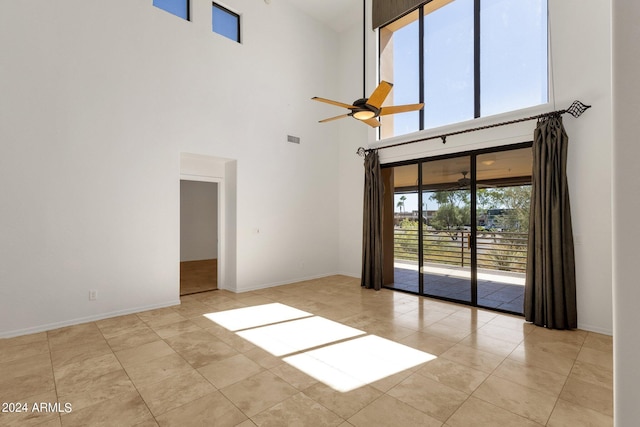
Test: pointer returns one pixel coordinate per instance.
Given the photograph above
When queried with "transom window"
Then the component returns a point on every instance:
(179, 8)
(464, 59)
(225, 22)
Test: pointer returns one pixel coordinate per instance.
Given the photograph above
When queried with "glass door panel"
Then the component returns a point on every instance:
(405, 228)
(502, 198)
(446, 255)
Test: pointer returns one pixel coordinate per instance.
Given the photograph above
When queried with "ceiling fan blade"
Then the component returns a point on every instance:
(380, 94)
(329, 101)
(400, 108)
(341, 116)
(374, 123)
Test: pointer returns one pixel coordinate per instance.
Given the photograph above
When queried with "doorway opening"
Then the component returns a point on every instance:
(456, 227)
(198, 236)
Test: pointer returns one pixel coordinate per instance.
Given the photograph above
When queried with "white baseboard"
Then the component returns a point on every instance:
(79, 320)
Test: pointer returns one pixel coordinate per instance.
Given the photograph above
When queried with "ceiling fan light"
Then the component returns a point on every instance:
(364, 115)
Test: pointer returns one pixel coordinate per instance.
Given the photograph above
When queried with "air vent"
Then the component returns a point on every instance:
(293, 139)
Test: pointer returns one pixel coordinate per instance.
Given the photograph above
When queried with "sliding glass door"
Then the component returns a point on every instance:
(446, 254)
(459, 228)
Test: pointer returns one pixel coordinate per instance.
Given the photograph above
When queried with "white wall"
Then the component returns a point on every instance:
(626, 204)
(581, 58)
(98, 101)
(198, 220)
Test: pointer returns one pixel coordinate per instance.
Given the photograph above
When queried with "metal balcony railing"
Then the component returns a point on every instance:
(505, 251)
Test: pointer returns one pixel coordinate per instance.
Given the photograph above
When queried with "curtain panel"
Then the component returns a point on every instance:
(372, 223)
(550, 289)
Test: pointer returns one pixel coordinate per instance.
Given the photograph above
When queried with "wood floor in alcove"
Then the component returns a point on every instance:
(198, 276)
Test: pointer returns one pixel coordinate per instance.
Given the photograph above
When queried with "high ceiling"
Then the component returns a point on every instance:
(337, 14)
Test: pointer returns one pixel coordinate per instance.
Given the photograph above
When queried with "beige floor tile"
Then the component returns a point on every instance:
(530, 376)
(387, 383)
(96, 390)
(428, 343)
(263, 358)
(99, 366)
(454, 375)
(516, 323)
(132, 337)
(602, 359)
(343, 404)
(21, 351)
(598, 342)
(489, 344)
(473, 358)
(232, 339)
(75, 376)
(553, 345)
(13, 389)
(298, 410)
(533, 356)
(26, 416)
(593, 374)
(294, 376)
(40, 364)
(74, 335)
(125, 409)
(259, 392)
(478, 413)
(189, 309)
(495, 330)
(429, 396)
(520, 400)
(567, 414)
(161, 316)
(176, 328)
(447, 332)
(225, 372)
(175, 391)
(575, 336)
(210, 409)
(200, 348)
(117, 325)
(22, 340)
(156, 370)
(474, 316)
(592, 396)
(65, 355)
(144, 353)
(387, 411)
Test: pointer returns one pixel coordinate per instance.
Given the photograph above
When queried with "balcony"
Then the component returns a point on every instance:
(502, 258)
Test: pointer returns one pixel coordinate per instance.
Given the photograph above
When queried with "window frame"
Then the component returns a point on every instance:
(188, 7)
(215, 5)
(427, 7)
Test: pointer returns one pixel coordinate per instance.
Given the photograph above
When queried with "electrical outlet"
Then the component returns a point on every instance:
(93, 295)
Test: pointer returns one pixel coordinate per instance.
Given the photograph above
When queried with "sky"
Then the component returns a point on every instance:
(513, 62)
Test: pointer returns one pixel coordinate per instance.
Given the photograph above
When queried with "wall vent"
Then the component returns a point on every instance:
(293, 139)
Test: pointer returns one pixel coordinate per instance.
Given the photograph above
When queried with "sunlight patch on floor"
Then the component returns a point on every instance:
(344, 366)
(297, 335)
(348, 365)
(259, 315)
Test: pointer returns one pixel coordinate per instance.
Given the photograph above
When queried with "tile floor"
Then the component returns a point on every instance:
(174, 366)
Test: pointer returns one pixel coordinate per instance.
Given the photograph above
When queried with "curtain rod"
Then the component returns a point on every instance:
(576, 109)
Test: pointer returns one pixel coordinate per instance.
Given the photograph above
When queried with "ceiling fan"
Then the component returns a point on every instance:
(365, 109)
(368, 109)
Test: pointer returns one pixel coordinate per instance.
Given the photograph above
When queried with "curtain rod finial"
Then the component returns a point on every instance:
(361, 152)
(577, 108)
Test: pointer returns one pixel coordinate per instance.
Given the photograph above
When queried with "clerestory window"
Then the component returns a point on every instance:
(464, 59)
(179, 8)
(225, 22)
